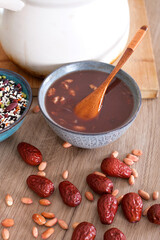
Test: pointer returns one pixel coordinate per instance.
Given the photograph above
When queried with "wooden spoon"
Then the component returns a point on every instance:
(90, 106)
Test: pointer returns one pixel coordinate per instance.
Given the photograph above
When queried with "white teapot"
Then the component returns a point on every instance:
(40, 35)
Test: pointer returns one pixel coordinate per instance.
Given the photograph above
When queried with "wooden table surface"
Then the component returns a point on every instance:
(143, 134)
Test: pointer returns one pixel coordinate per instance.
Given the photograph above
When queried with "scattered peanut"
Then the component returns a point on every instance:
(137, 152)
(74, 225)
(8, 222)
(5, 234)
(36, 109)
(35, 232)
(89, 196)
(145, 211)
(48, 215)
(63, 224)
(39, 219)
(65, 174)
(119, 199)
(46, 234)
(9, 200)
(131, 180)
(133, 157)
(41, 173)
(155, 195)
(115, 192)
(42, 166)
(128, 161)
(51, 223)
(26, 200)
(99, 173)
(66, 145)
(114, 154)
(44, 202)
(144, 194)
(134, 173)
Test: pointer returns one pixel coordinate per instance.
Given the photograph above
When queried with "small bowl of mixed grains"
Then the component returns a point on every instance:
(15, 102)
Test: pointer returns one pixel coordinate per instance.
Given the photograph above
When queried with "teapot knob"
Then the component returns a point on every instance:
(13, 5)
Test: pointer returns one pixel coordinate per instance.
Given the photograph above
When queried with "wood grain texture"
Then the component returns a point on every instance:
(141, 66)
(143, 134)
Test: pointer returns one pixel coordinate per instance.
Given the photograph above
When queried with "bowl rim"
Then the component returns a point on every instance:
(29, 100)
(130, 119)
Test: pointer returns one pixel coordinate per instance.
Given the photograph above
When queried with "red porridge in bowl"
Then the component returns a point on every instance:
(67, 91)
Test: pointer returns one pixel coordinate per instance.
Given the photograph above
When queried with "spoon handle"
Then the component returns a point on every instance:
(137, 38)
(128, 52)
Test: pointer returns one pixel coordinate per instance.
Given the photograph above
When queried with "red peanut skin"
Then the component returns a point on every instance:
(107, 207)
(114, 234)
(115, 168)
(153, 214)
(132, 206)
(84, 231)
(29, 153)
(99, 184)
(40, 185)
(70, 194)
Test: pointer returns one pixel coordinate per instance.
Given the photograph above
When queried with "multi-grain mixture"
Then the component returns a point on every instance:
(12, 102)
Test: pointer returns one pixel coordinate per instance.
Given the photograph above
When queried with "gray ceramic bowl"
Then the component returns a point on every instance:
(89, 140)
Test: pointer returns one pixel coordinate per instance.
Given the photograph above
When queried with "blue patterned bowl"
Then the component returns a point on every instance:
(89, 140)
(7, 132)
